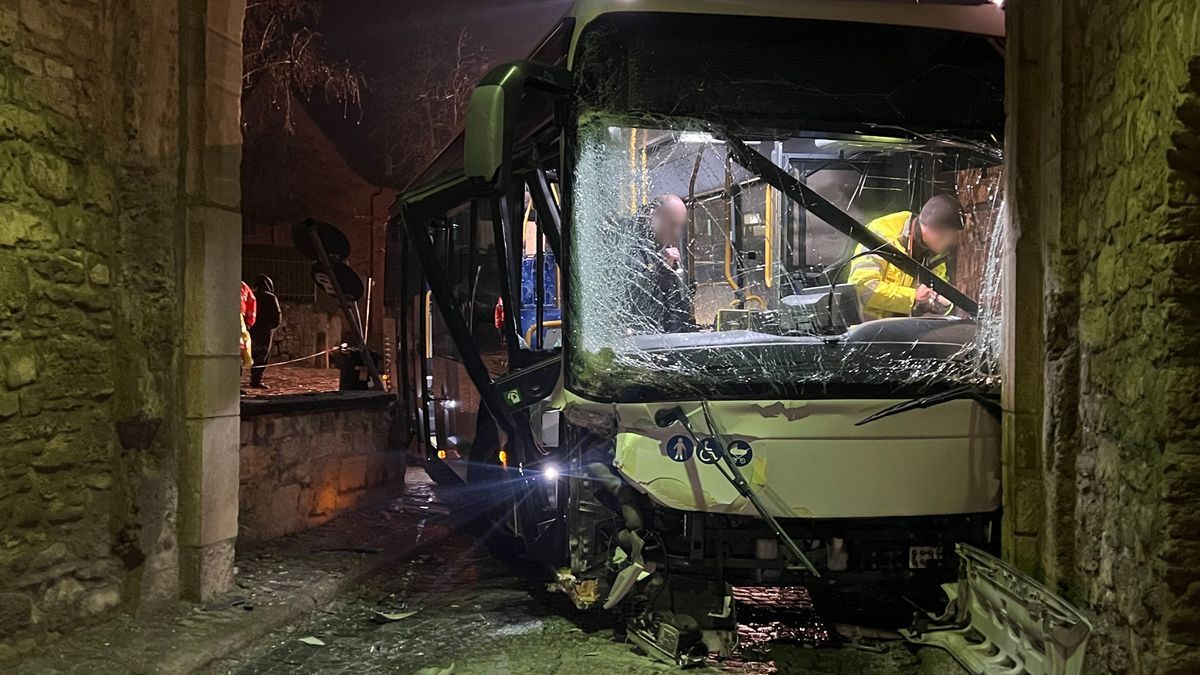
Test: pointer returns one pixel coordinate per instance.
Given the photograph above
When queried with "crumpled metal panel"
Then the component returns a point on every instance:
(1007, 623)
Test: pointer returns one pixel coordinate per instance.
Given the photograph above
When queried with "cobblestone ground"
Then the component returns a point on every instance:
(457, 610)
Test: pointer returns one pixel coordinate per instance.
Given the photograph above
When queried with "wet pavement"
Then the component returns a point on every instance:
(452, 608)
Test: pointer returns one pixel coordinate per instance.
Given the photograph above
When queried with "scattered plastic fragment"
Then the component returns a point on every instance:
(314, 641)
(389, 617)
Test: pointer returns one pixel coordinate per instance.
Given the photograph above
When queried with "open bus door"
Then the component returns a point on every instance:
(490, 332)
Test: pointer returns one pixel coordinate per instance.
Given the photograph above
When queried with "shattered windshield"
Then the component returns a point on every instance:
(695, 274)
(766, 207)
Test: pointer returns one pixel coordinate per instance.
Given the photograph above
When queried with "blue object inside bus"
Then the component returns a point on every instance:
(550, 307)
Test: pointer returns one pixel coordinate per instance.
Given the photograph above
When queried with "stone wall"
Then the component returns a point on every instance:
(300, 468)
(88, 325)
(306, 329)
(117, 158)
(1104, 465)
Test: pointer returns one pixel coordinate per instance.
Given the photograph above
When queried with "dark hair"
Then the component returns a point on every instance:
(942, 211)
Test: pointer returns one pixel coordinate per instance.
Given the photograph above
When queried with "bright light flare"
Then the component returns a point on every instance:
(551, 472)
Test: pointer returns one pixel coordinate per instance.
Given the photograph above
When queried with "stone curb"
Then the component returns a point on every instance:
(189, 657)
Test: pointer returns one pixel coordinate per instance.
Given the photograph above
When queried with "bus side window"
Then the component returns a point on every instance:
(550, 335)
(485, 289)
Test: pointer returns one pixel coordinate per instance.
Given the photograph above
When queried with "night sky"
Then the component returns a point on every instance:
(370, 35)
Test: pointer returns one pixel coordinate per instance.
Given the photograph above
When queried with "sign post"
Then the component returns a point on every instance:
(335, 285)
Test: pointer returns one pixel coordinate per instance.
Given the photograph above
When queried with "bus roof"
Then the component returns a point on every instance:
(981, 17)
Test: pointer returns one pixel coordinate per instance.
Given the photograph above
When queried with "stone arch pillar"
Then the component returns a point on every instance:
(1103, 411)
(211, 151)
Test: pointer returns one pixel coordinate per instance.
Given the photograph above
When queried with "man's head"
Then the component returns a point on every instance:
(941, 222)
(668, 219)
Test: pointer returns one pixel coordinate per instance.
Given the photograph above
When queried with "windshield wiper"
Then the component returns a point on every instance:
(822, 208)
(957, 393)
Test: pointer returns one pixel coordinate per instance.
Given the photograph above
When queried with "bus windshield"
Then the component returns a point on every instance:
(694, 275)
(770, 208)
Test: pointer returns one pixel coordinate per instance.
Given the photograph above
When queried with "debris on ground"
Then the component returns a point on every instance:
(389, 617)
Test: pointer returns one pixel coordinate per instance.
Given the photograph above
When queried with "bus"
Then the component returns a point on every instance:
(709, 297)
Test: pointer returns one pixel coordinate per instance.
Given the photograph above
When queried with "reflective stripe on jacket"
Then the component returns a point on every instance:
(884, 290)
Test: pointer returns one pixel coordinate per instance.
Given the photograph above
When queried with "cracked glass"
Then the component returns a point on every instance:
(700, 268)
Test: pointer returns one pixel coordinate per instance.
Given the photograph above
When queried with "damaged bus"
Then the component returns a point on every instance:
(682, 328)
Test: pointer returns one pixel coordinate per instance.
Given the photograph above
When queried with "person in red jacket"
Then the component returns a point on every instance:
(249, 305)
(248, 315)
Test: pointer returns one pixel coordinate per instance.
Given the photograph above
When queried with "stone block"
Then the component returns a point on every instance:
(16, 612)
(51, 176)
(206, 572)
(99, 275)
(352, 474)
(99, 188)
(100, 601)
(8, 25)
(208, 512)
(28, 61)
(225, 18)
(17, 226)
(56, 68)
(39, 18)
(254, 463)
(10, 404)
(212, 282)
(348, 500)
(211, 385)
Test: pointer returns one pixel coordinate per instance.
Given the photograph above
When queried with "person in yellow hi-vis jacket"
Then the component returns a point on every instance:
(930, 236)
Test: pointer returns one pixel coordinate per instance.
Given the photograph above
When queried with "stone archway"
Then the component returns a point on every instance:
(211, 77)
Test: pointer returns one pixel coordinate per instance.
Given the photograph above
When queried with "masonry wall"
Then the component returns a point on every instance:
(1104, 462)
(115, 176)
(305, 330)
(88, 319)
(301, 468)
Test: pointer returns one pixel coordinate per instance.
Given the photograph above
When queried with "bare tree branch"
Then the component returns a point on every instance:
(425, 102)
(284, 53)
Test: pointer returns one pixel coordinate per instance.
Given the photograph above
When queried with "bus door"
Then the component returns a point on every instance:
(491, 314)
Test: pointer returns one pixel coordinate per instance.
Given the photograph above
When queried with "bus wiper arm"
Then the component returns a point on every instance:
(964, 391)
(665, 418)
(822, 208)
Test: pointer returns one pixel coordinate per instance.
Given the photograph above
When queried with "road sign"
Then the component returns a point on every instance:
(352, 285)
(741, 453)
(679, 448)
(336, 244)
(708, 452)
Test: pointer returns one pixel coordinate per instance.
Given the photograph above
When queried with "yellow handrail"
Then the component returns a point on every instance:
(729, 257)
(429, 324)
(762, 304)
(552, 323)
(768, 251)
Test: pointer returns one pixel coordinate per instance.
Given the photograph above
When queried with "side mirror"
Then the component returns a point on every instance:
(494, 116)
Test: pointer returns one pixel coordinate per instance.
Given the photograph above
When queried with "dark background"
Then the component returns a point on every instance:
(377, 36)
